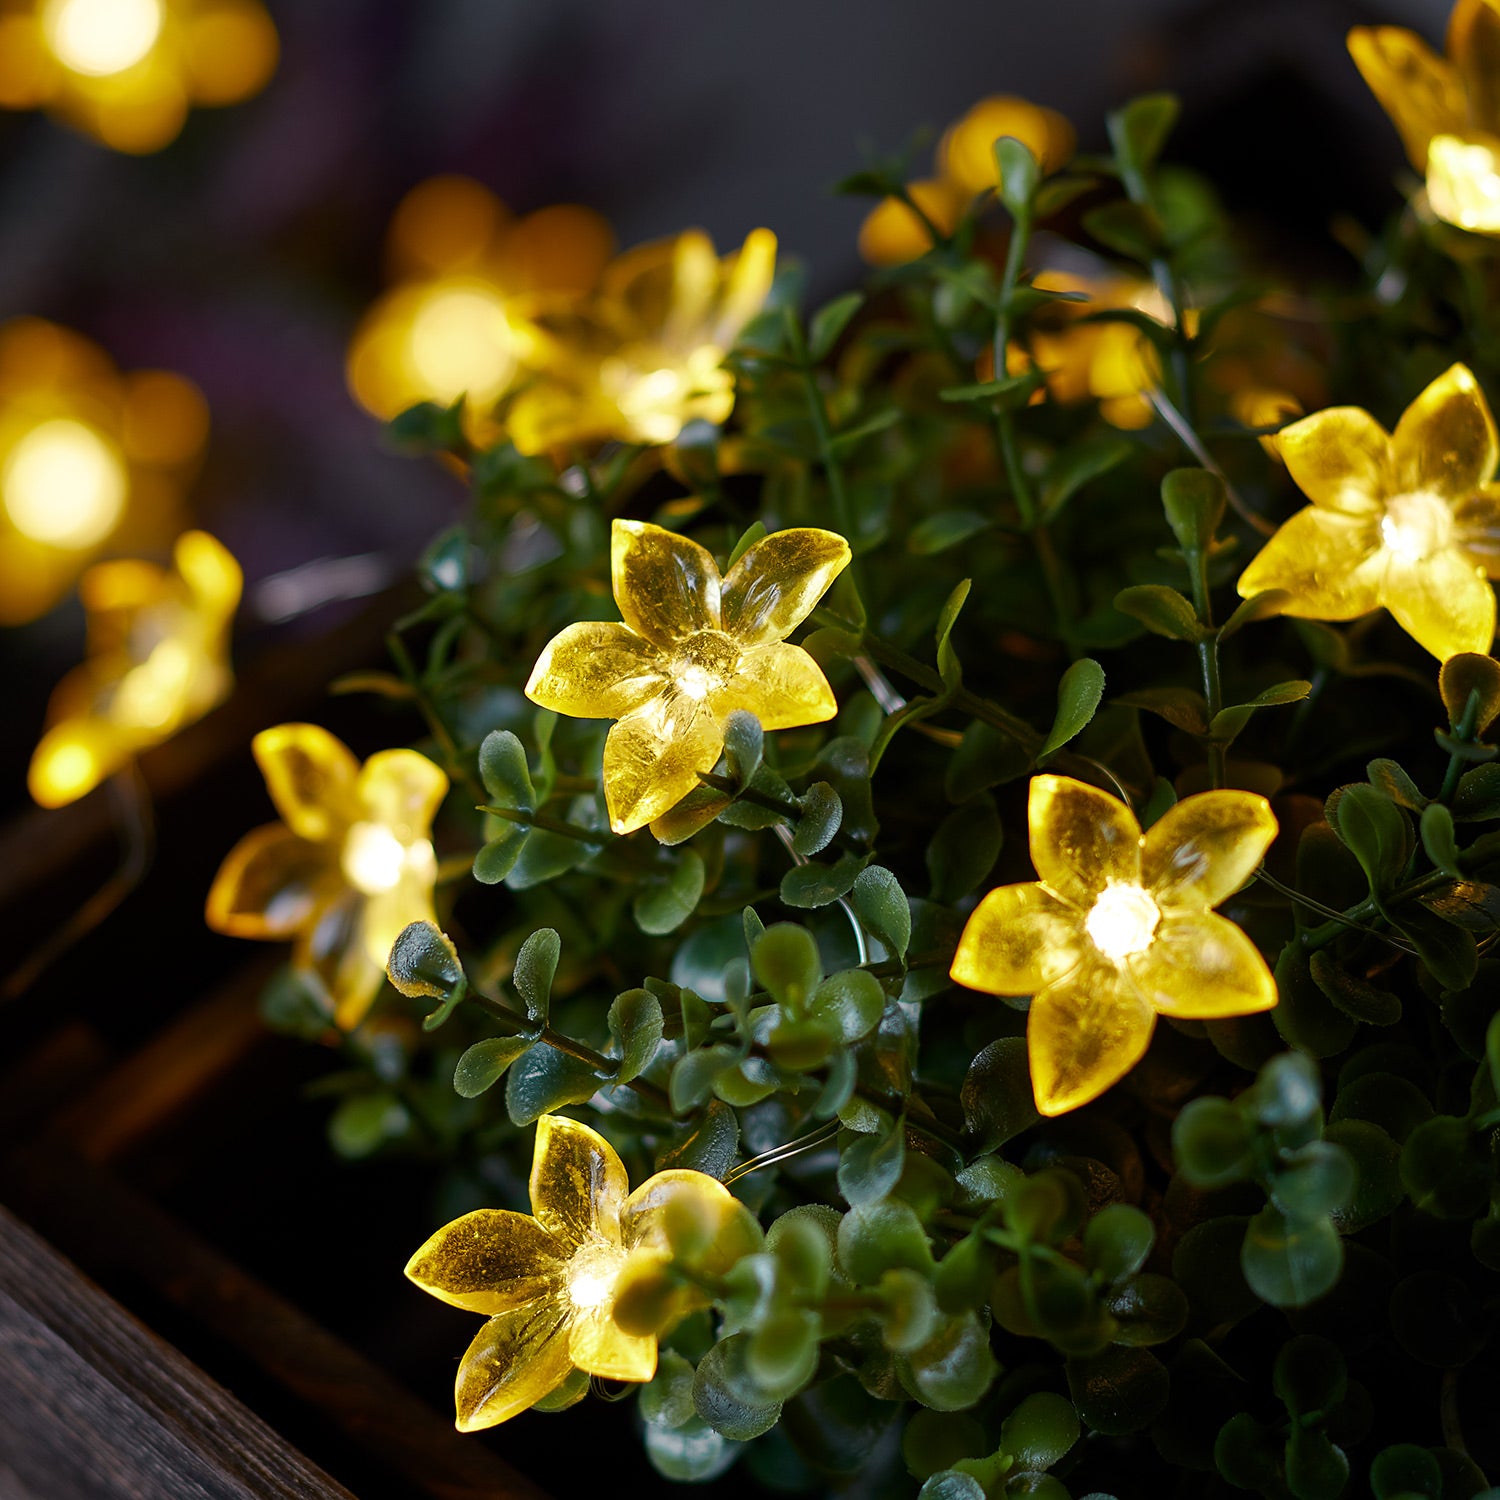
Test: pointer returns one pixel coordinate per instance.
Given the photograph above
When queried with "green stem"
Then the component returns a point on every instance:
(593, 837)
(455, 764)
(788, 810)
(1208, 658)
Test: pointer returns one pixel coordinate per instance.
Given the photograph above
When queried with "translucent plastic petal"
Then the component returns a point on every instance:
(781, 685)
(596, 670)
(1081, 838)
(597, 1344)
(773, 588)
(1340, 458)
(1206, 847)
(333, 956)
(210, 571)
(271, 885)
(1200, 966)
(666, 586)
(1019, 939)
(695, 280)
(517, 1358)
(1474, 50)
(652, 758)
(1476, 520)
(386, 913)
(578, 1182)
(311, 777)
(1083, 1035)
(73, 757)
(1445, 442)
(1463, 180)
(732, 1230)
(1419, 90)
(1444, 602)
(490, 1261)
(402, 791)
(750, 274)
(1331, 564)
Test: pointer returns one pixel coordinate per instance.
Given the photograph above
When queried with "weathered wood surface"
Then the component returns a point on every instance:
(93, 1407)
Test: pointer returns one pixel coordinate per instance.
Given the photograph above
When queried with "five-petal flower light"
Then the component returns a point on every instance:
(350, 865)
(692, 649)
(1447, 110)
(1408, 520)
(645, 355)
(1118, 930)
(546, 1280)
(127, 71)
(158, 659)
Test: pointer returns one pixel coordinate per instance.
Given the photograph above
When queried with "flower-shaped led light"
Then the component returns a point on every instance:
(350, 864)
(692, 649)
(470, 280)
(1118, 930)
(1408, 520)
(645, 354)
(158, 659)
(127, 71)
(892, 234)
(1447, 110)
(546, 1280)
(88, 457)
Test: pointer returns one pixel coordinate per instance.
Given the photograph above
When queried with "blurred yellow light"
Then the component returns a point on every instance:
(373, 858)
(462, 343)
(99, 38)
(64, 484)
(63, 773)
(151, 695)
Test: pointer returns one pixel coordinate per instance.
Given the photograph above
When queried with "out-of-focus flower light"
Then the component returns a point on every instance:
(64, 484)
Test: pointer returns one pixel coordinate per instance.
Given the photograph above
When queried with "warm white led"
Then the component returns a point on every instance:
(101, 37)
(373, 858)
(462, 344)
(592, 1274)
(1415, 526)
(64, 484)
(1122, 921)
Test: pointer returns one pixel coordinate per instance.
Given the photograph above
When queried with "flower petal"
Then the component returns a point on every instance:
(1081, 838)
(781, 685)
(271, 885)
(1340, 458)
(311, 777)
(333, 956)
(75, 755)
(517, 1358)
(1205, 848)
(1474, 48)
(402, 791)
(596, 1343)
(578, 1182)
(666, 586)
(1463, 180)
(773, 588)
(1083, 1035)
(748, 275)
(490, 1261)
(1476, 520)
(730, 1228)
(1330, 563)
(596, 670)
(1419, 90)
(1443, 601)
(386, 913)
(652, 758)
(1200, 966)
(1445, 442)
(1019, 939)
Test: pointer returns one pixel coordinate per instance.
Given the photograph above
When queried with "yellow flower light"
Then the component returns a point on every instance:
(693, 648)
(645, 354)
(1406, 520)
(1446, 109)
(158, 659)
(892, 234)
(546, 1280)
(350, 864)
(1118, 930)
(127, 71)
(471, 279)
(87, 457)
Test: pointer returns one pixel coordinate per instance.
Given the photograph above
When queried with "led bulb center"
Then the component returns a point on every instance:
(1122, 921)
(707, 662)
(101, 37)
(1415, 526)
(64, 484)
(592, 1274)
(373, 858)
(462, 343)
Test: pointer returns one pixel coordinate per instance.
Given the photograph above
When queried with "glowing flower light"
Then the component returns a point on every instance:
(350, 864)
(693, 648)
(645, 354)
(471, 279)
(546, 1280)
(1118, 930)
(87, 456)
(1444, 108)
(965, 160)
(127, 71)
(158, 659)
(1406, 520)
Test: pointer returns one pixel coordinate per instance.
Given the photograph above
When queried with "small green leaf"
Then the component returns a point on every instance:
(1228, 722)
(852, 437)
(1477, 799)
(964, 848)
(1139, 130)
(726, 1395)
(937, 533)
(996, 1094)
(1448, 951)
(850, 1003)
(1391, 779)
(1438, 838)
(1353, 995)
(1078, 696)
(1290, 1263)
(1019, 176)
(1012, 392)
(1467, 675)
(828, 323)
(1131, 229)
(1117, 1240)
(483, 1064)
(536, 964)
(813, 885)
(636, 1023)
(822, 812)
(1120, 1390)
(785, 960)
(664, 906)
(870, 1165)
(1181, 707)
(947, 658)
(1373, 829)
(1075, 464)
(1261, 606)
(504, 772)
(882, 907)
(1193, 500)
(444, 564)
(364, 1122)
(1039, 1432)
(1161, 610)
(708, 1145)
(544, 1080)
(744, 745)
(693, 1076)
(424, 965)
(498, 857)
